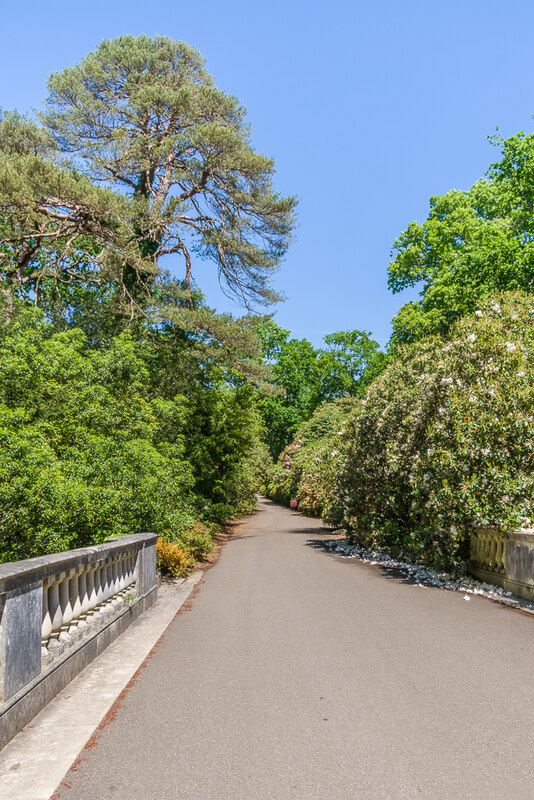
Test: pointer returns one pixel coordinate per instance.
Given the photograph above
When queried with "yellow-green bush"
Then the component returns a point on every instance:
(172, 559)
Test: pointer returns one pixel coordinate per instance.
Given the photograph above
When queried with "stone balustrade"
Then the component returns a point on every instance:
(507, 561)
(487, 550)
(78, 601)
(58, 612)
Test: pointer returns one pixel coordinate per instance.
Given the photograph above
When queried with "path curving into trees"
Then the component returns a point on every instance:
(299, 674)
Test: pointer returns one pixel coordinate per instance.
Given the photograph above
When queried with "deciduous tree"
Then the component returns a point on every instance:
(473, 243)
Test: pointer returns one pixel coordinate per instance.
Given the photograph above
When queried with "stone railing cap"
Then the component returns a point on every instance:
(491, 529)
(14, 572)
(523, 533)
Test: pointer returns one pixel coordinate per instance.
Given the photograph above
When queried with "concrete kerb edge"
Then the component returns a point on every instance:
(20, 775)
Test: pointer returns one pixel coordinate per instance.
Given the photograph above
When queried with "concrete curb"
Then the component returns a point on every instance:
(33, 764)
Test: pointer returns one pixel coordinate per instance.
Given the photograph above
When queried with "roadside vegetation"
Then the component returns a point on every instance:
(442, 439)
(127, 404)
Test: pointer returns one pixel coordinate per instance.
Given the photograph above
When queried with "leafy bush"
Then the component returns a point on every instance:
(224, 446)
(172, 559)
(444, 439)
(306, 470)
(83, 451)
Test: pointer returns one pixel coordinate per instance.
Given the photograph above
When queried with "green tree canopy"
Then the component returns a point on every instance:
(143, 117)
(56, 227)
(308, 376)
(472, 244)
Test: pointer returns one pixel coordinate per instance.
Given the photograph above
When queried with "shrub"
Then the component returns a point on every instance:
(444, 439)
(83, 451)
(172, 559)
(306, 470)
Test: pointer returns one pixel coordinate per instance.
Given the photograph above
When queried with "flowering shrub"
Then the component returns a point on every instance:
(444, 439)
(306, 470)
(283, 481)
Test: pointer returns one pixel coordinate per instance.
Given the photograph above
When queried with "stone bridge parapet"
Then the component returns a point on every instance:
(58, 612)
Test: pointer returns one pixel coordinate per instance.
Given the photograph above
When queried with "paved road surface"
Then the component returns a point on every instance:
(299, 675)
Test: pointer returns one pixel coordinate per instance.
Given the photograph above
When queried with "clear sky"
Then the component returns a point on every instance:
(367, 108)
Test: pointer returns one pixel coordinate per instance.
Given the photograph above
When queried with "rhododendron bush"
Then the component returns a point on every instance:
(444, 440)
(306, 471)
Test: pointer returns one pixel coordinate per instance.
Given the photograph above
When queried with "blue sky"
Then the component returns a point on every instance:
(368, 110)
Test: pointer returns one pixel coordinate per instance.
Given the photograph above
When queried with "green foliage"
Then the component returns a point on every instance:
(128, 404)
(472, 245)
(91, 447)
(305, 473)
(83, 457)
(224, 447)
(59, 234)
(350, 363)
(444, 439)
(142, 115)
(309, 376)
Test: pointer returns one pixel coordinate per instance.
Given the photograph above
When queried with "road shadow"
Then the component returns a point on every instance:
(392, 573)
(308, 531)
(399, 575)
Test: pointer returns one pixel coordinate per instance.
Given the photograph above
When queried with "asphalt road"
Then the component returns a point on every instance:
(300, 675)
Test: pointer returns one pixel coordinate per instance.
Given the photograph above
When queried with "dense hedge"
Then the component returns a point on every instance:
(443, 440)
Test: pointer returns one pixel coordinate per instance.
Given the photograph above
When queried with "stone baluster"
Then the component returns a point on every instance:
(117, 600)
(93, 618)
(84, 599)
(481, 549)
(99, 592)
(123, 578)
(486, 553)
(492, 563)
(499, 554)
(75, 631)
(107, 586)
(46, 630)
(123, 573)
(66, 609)
(131, 574)
(100, 583)
(136, 571)
(55, 646)
(474, 549)
(111, 579)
